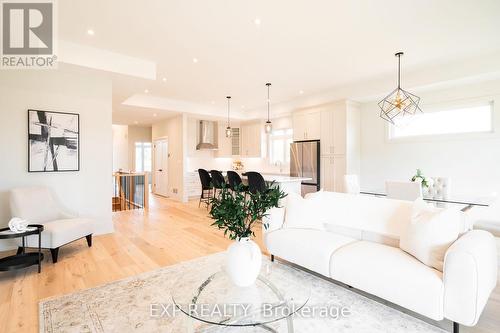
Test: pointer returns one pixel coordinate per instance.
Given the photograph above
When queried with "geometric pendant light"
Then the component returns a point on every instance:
(268, 127)
(228, 128)
(399, 102)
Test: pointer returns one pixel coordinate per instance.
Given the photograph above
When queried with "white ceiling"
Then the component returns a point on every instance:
(309, 46)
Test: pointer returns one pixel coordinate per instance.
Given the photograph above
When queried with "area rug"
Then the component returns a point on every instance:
(125, 305)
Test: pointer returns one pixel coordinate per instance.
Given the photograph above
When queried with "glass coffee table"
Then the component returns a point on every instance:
(212, 301)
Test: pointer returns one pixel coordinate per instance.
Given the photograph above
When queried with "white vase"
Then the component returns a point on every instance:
(243, 262)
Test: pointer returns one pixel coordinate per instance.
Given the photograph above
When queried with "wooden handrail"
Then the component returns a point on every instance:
(126, 186)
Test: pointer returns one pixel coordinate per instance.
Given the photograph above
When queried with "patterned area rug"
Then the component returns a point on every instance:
(125, 305)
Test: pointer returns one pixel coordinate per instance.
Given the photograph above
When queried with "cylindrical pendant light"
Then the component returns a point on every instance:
(268, 127)
(228, 128)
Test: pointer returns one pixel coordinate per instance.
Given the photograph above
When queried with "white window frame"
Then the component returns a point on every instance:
(142, 146)
(448, 136)
(272, 137)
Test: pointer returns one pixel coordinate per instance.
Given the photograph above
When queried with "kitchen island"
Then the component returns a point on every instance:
(286, 183)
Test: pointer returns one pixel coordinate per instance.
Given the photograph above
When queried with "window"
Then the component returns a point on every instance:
(279, 147)
(471, 119)
(143, 156)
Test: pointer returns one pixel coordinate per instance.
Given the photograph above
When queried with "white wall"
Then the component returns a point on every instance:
(120, 148)
(173, 129)
(88, 191)
(471, 161)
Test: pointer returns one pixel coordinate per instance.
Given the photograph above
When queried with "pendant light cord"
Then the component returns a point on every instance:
(268, 101)
(228, 109)
(399, 70)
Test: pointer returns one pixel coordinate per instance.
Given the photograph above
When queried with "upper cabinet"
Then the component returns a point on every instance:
(251, 139)
(306, 125)
(225, 144)
(334, 130)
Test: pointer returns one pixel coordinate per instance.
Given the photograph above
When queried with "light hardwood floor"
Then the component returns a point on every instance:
(169, 233)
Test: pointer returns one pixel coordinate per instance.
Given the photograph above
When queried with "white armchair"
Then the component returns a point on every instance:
(37, 206)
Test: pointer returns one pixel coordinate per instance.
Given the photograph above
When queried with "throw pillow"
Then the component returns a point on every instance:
(430, 232)
(303, 213)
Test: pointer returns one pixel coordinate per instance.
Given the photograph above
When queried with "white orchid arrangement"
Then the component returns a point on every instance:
(419, 177)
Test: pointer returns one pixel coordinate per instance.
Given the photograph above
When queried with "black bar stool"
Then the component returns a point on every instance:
(206, 187)
(256, 182)
(235, 182)
(218, 181)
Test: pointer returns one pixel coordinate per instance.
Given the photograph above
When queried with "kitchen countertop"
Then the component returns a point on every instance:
(273, 177)
(283, 179)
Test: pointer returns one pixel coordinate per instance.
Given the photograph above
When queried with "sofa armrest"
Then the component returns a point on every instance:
(274, 220)
(469, 276)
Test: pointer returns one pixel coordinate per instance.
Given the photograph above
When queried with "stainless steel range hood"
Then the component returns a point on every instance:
(207, 135)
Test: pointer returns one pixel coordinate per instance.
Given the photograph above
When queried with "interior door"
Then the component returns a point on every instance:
(161, 167)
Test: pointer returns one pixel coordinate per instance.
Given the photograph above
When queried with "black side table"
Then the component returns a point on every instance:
(22, 259)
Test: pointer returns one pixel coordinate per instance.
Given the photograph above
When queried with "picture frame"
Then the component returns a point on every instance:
(53, 141)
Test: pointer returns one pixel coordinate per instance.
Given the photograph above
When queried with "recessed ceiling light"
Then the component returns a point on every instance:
(195, 60)
(154, 114)
(146, 91)
(257, 21)
(90, 32)
(164, 79)
(212, 102)
(242, 106)
(136, 122)
(301, 92)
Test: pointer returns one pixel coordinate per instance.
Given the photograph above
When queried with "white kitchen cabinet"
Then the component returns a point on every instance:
(251, 139)
(192, 184)
(313, 126)
(306, 125)
(299, 126)
(333, 169)
(333, 131)
(225, 144)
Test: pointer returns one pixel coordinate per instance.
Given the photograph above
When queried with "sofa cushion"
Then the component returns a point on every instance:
(363, 234)
(430, 233)
(303, 213)
(382, 216)
(59, 232)
(391, 274)
(309, 248)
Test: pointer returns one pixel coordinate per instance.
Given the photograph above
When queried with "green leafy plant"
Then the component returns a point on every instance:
(420, 177)
(236, 212)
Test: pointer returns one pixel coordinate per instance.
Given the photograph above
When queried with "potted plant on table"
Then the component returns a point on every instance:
(419, 177)
(237, 212)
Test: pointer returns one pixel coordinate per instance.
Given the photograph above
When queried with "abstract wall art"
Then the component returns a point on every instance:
(53, 141)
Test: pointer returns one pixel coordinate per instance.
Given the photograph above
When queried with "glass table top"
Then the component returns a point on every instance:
(483, 201)
(213, 299)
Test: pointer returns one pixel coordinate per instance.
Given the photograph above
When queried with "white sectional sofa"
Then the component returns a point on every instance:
(355, 240)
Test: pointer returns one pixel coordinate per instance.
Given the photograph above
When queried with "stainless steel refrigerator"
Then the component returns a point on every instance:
(304, 162)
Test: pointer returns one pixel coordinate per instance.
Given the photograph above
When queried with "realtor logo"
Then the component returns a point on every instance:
(28, 34)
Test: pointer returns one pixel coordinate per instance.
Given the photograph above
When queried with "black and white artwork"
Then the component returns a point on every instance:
(53, 140)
